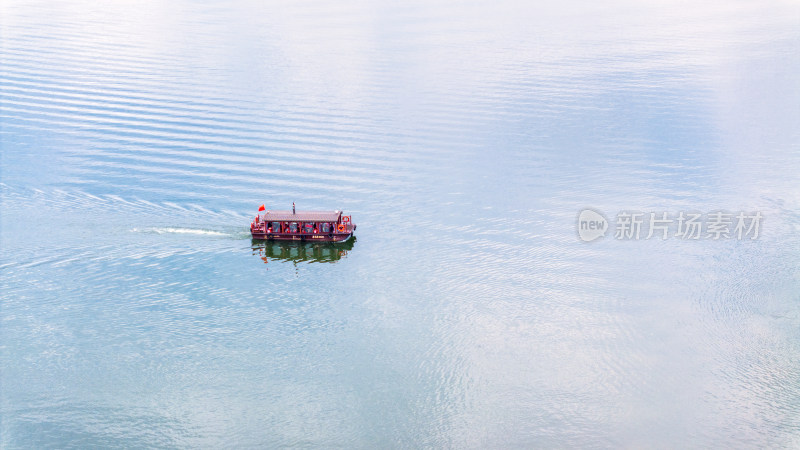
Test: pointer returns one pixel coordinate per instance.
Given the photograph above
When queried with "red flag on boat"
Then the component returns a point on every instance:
(261, 208)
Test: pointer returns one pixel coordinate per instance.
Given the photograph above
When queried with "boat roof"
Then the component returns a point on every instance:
(301, 216)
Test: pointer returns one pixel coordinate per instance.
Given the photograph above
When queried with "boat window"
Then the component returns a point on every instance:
(276, 226)
(309, 227)
(326, 227)
(293, 227)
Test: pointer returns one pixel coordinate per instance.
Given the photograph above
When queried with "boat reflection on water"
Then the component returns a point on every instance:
(312, 252)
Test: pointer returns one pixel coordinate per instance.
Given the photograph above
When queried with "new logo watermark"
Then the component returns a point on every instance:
(686, 225)
(591, 225)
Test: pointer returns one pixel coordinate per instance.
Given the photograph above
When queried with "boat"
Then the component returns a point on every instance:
(303, 226)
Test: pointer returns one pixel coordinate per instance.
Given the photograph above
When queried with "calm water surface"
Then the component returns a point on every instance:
(138, 139)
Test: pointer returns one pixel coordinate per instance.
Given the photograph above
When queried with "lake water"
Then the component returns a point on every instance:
(139, 138)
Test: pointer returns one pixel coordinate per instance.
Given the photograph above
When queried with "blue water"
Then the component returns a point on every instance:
(137, 140)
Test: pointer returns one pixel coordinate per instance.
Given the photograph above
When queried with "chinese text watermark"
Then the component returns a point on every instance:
(685, 225)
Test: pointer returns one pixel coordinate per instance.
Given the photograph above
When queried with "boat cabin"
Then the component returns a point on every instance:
(302, 225)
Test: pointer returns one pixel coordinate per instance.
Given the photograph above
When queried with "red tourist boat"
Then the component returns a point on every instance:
(312, 226)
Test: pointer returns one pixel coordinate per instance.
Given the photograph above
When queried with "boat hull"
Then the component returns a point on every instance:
(329, 237)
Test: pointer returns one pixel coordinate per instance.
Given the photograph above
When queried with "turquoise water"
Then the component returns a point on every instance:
(139, 138)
